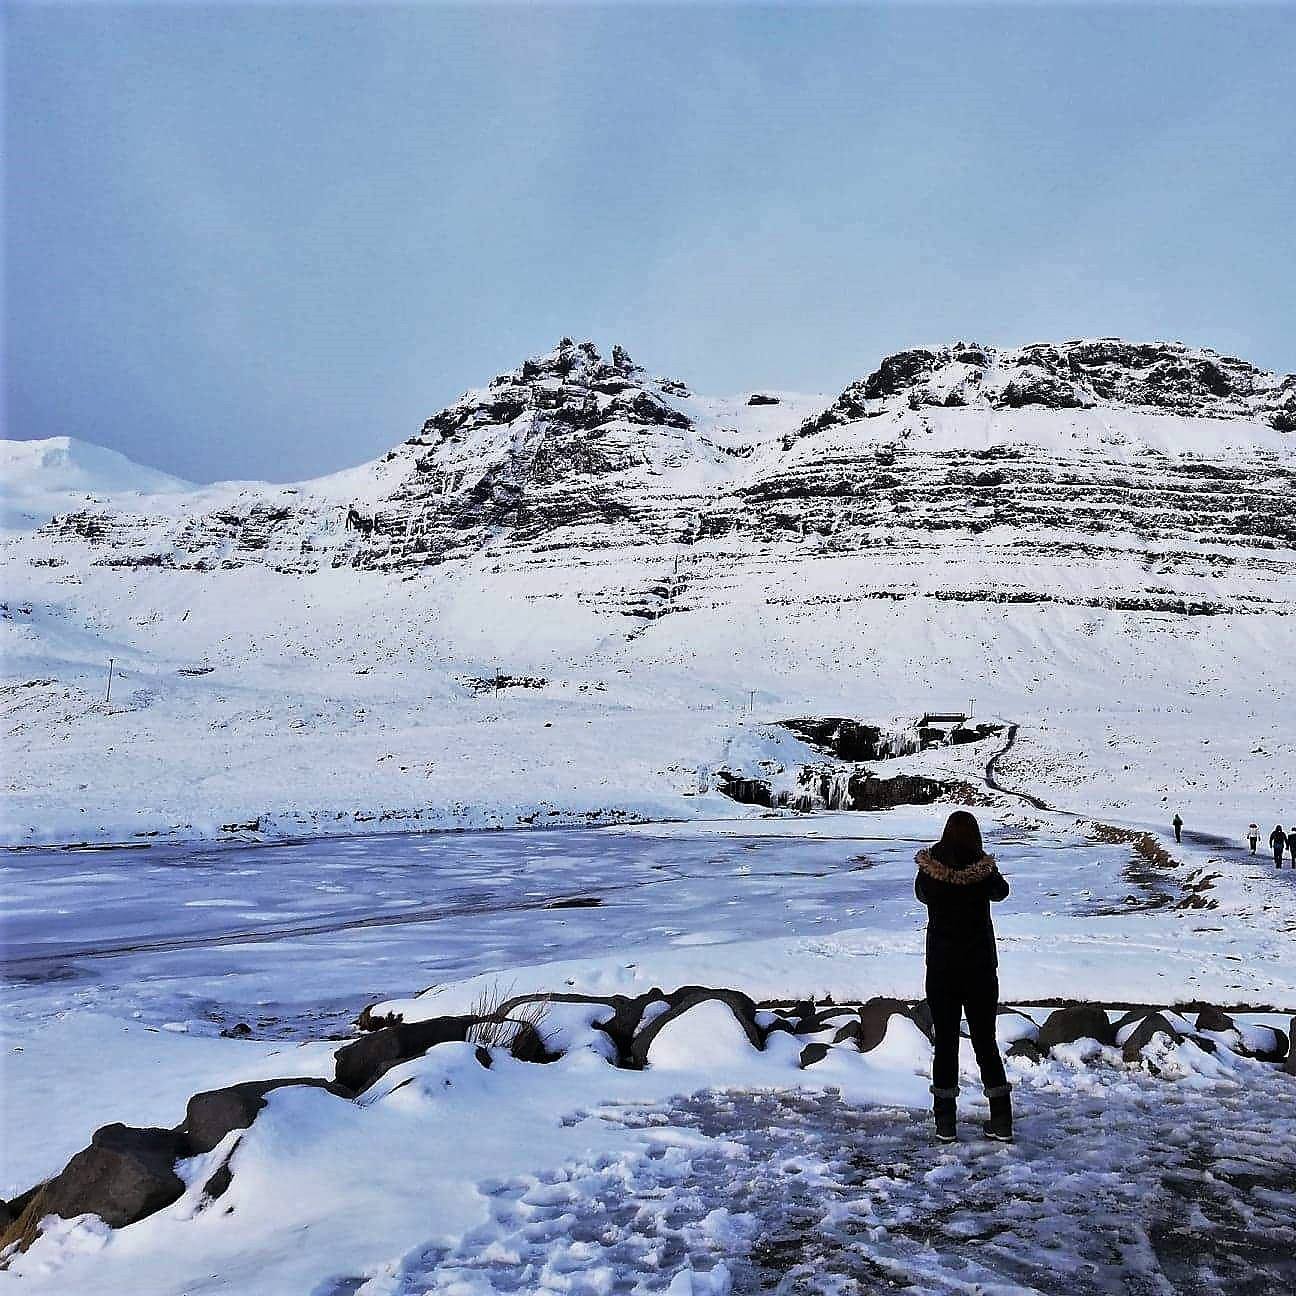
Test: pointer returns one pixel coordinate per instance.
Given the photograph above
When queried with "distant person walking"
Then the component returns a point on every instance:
(1178, 826)
(1277, 840)
(957, 881)
(1253, 836)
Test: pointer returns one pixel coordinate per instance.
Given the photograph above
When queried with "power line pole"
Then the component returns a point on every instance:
(108, 694)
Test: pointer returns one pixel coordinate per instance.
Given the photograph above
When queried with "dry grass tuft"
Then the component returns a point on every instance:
(496, 1028)
(23, 1230)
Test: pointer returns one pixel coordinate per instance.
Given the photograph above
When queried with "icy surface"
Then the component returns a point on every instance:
(1121, 1187)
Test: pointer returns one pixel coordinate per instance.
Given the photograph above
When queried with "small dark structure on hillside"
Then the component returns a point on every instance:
(942, 717)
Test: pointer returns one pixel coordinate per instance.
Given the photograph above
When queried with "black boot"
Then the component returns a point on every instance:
(946, 1113)
(999, 1126)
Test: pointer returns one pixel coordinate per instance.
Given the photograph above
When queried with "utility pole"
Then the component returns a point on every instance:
(108, 694)
(751, 701)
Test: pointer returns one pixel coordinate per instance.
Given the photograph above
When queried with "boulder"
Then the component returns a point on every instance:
(1152, 1025)
(850, 1031)
(806, 1016)
(1211, 1018)
(681, 1000)
(813, 1052)
(124, 1175)
(627, 1013)
(921, 1015)
(218, 1184)
(1267, 1043)
(527, 1044)
(358, 1064)
(1080, 1021)
(1130, 1018)
(1024, 1048)
(211, 1115)
(875, 1016)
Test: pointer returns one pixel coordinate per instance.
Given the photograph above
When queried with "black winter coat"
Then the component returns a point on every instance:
(960, 934)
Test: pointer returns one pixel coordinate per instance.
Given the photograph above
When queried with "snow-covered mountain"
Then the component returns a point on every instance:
(42, 477)
(1079, 536)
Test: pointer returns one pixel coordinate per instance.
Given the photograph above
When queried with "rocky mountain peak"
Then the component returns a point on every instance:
(1165, 377)
(572, 386)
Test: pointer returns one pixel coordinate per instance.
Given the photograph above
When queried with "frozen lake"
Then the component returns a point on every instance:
(295, 938)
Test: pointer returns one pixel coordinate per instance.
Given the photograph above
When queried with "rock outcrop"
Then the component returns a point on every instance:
(1156, 376)
(573, 451)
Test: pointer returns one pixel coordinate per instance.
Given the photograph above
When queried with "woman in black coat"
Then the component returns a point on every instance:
(957, 881)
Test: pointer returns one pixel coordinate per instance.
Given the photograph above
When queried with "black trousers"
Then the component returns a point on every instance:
(1278, 850)
(951, 996)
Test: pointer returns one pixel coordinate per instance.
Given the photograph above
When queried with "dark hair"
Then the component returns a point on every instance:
(960, 843)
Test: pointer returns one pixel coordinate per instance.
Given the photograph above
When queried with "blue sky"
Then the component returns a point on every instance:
(268, 241)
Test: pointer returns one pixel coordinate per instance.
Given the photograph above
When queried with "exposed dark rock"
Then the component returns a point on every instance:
(875, 1016)
(1211, 1018)
(568, 450)
(687, 997)
(1152, 1025)
(850, 1031)
(368, 1020)
(211, 1115)
(747, 791)
(575, 902)
(1024, 1048)
(1277, 1050)
(868, 792)
(494, 683)
(360, 1063)
(627, 1012)
(813, 1052)
(124, 1175)
(921, 1015)
(218, 1183)
(898, 372)
(845, 738)
(760, 398)
(1040, 388)
(527, 1044)
(835, 788)
(1128, 1019)
(1066, 1025)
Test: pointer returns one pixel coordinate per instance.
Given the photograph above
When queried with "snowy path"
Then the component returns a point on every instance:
(1120, 1183)
(992, 779)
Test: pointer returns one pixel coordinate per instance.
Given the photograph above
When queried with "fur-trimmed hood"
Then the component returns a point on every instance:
(977, 872)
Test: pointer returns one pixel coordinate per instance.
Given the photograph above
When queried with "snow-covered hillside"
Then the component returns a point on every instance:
(1093, 540)
(61, 474)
